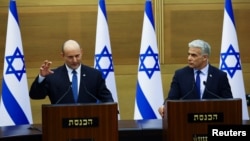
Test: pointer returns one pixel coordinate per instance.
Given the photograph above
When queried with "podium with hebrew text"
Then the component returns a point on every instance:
(188, 120)
(80, 122)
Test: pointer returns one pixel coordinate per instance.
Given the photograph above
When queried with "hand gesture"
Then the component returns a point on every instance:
(45, 68)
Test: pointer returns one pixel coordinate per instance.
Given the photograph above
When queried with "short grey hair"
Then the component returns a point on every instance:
(205, 47)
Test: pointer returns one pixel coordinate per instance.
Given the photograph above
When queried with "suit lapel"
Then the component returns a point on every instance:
(82, 80)
(209, 77)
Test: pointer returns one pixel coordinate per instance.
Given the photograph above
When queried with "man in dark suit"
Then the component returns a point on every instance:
(212, 83)
(57, 83)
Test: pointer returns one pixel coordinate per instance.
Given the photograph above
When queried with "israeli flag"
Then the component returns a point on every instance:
(103, 53)
(149, 91)
(230, 57)
(15, 103)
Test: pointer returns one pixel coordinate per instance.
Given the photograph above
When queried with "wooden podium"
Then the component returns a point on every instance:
(188, 120)
(80, 122)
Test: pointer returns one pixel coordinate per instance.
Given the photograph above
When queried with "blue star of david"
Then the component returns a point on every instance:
(104, 69)
(11, 69)
(149, 54)
(231, 70)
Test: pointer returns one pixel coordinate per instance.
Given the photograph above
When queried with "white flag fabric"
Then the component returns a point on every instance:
(15, 103)
(149, 91)
(103, 54)
(230, 61)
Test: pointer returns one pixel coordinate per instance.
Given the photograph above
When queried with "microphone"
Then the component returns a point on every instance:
(205, 83)
(60, 99)
(97, 100)
(188, 93)
(90, 94)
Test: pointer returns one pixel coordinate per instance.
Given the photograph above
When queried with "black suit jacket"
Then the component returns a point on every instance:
(57, 87)
(183, 85)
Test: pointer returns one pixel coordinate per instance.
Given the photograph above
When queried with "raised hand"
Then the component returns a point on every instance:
(45, 68)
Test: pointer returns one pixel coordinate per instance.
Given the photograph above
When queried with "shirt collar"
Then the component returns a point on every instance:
(70, 70)
(204, 70)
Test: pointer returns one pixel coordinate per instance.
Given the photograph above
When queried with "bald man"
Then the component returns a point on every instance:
(57, 83)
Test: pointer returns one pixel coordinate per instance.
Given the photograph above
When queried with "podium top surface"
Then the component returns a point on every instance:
(79, 104)
(204, 100)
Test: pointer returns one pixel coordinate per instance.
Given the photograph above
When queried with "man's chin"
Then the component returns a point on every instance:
(190, 65)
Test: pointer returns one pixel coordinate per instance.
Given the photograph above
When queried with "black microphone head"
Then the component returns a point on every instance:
(210, 92)
(204, 83)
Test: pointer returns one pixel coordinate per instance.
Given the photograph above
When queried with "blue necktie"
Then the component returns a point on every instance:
(198, 83)
(74, 85)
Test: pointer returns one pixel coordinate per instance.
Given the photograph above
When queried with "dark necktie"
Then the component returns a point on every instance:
(198, 83)
(74, 85)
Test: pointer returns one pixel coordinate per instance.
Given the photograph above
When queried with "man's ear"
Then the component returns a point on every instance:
(205, 57)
